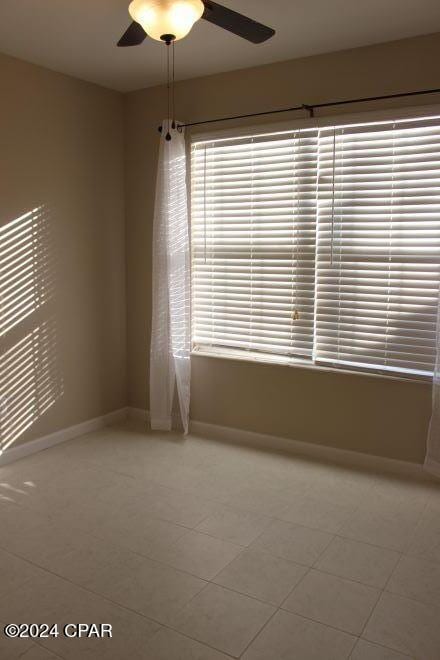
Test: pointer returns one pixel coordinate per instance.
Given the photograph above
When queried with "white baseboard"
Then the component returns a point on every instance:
(144, 415)
(34, 446)
(139, 414)
(287, 445)
(307, 449)
(225, 434)
(432, 466)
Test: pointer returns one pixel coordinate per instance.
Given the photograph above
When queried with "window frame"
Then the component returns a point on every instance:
(418, 112)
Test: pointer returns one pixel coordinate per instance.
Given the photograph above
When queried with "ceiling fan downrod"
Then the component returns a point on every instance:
(169, 40)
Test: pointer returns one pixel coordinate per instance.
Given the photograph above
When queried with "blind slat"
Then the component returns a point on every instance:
(320, 243)
(378, 223)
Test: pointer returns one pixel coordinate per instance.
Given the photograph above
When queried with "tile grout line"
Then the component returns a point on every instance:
(250, 546)
(248, 510)
(243, 549)
(305, 618)
(169, 625)
(118, 604)
(310, 568)
(381, 646)
(373, 609)
(39, 645)
(335, 535)
(259, 632)
(320, 623)
(382, 592)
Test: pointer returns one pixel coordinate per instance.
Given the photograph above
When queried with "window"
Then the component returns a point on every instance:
(320, 244)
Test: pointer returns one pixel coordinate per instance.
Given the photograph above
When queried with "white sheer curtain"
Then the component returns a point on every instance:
(170, 338)
(432, 461)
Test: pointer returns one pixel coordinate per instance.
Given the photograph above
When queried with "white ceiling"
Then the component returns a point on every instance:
(78, 37)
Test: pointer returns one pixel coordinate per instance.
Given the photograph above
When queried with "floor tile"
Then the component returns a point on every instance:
(26, 474)
(199, 554)
(235, 525)
(319, 513)
(39, 653)
(434, 500)
(181, 477)
(221, 488)
(388, 526)
(139, 533)
(11, 648)
(14, 572)
(413, 493)
(344, 487)
(36, 537)
(261, 576)
(80, 566)
(425, 540)
(367, 651)
(131, 634)
(295, 480)
(109, 507)
(406, 626)
(52, 599)
(123, 517)
(13, 491)
(41, 599)
(148, 587)
(178, 507)
(289, 637)
(170, 645)
(53, 488)
(358, 561)
(262, 500)
(293, 542)
(223, 619)
(418, 579)
(333, 601)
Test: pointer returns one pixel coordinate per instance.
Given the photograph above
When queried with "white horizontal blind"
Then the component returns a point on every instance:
(323, 244)
(253, 243)
(378, 245)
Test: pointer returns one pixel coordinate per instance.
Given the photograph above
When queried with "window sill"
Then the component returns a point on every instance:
(280, 360)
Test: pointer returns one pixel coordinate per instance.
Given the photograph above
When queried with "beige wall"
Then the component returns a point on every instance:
(63, 352)
(61, 152)
(380, 416)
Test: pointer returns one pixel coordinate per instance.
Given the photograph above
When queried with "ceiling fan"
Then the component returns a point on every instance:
(170, 20)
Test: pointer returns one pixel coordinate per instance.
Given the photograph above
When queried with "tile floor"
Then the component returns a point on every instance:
(197, 550)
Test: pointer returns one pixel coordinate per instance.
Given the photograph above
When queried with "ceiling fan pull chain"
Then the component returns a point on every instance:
(168, 135)
(173, 123)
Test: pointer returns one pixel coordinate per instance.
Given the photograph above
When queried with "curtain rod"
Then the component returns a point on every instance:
(312, 107)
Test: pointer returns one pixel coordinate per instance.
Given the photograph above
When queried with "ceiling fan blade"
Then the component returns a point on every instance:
(237, 23)
(134, 36)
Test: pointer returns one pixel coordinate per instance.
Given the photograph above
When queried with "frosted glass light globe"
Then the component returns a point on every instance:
(161, 17)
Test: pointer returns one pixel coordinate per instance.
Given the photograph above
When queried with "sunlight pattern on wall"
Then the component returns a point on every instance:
(30, 381)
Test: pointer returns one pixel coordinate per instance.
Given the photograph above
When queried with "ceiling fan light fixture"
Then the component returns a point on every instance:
(166, 17)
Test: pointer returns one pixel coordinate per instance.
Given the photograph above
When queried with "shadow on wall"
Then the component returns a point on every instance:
(30, 379)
